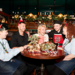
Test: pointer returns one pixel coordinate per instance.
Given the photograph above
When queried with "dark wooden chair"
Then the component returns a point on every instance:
(34, 72)
(73, 72)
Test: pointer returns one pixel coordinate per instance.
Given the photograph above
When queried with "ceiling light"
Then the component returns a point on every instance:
(60, 15)
(12, 11)
(18, 7)
(49, 8)
(24, 11)
(35, 7)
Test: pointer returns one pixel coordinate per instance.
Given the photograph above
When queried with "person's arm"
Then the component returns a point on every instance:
(72, 54)
(8, 56)
(50, 34)
(69, 57)
(46, 38)
(11, 52)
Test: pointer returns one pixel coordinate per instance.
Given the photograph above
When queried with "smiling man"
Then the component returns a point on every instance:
(20, 38)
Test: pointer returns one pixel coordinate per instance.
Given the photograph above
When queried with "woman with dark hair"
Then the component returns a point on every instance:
(9, 66)
(68, 63)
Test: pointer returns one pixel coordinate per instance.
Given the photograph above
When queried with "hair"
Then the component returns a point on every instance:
(21, 22)
(3, 27)
(70, 31)
(39, 27)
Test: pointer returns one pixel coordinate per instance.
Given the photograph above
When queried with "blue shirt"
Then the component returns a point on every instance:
(69, 48)
(11, 52)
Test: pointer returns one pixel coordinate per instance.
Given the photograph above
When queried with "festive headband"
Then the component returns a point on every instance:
(0, 26)
(66, 24)
(21, 20)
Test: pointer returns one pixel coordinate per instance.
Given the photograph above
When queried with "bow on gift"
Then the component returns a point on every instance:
(0, 26)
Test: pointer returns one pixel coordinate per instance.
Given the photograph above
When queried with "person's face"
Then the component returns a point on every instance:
(65, 31)
(57, 27)
(22, 27)
(3, 34)
(42, 31)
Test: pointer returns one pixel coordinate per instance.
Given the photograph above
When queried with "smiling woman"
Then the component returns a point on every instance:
(41, 34)
(65, 66)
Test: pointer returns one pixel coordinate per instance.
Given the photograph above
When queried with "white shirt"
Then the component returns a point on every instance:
(69, 47)
(11, 52)
(46, 38)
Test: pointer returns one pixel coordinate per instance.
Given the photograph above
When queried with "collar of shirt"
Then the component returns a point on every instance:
(20, 35)
(1, 40)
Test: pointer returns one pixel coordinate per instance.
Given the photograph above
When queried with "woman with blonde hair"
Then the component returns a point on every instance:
(41, 34)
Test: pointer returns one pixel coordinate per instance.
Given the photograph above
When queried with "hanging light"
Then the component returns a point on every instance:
(30, 15)
(16, 16)
(60, 15)
(65, 16)
(34, 16)
(50, 16)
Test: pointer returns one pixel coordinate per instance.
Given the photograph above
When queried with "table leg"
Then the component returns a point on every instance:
(42, 69)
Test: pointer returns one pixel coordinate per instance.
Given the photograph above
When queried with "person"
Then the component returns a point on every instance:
(57, 34)
(20, 38)
(9, 66)
(68, 63)
(41, 34)
(43, 38)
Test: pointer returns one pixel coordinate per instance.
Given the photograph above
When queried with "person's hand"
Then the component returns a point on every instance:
(28, 33)
(66, 59)
(21, 48)
(25, 46)
(59, 48)
(69, 57)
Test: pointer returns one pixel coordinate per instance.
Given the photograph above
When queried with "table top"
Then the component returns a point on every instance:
(41, 56)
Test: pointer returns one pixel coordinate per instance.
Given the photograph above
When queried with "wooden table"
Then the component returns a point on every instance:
(60, 54)
(41, 56)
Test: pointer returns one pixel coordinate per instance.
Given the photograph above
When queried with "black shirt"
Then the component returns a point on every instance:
(17, 40)
(51, 34)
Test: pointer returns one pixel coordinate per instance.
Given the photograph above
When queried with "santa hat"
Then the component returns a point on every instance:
(21, 20)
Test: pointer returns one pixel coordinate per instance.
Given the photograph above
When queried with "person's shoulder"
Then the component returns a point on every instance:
(25, 34)
(73, 40)
(14, 34)
(52, 31)
(4, 40)
(46, 35)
